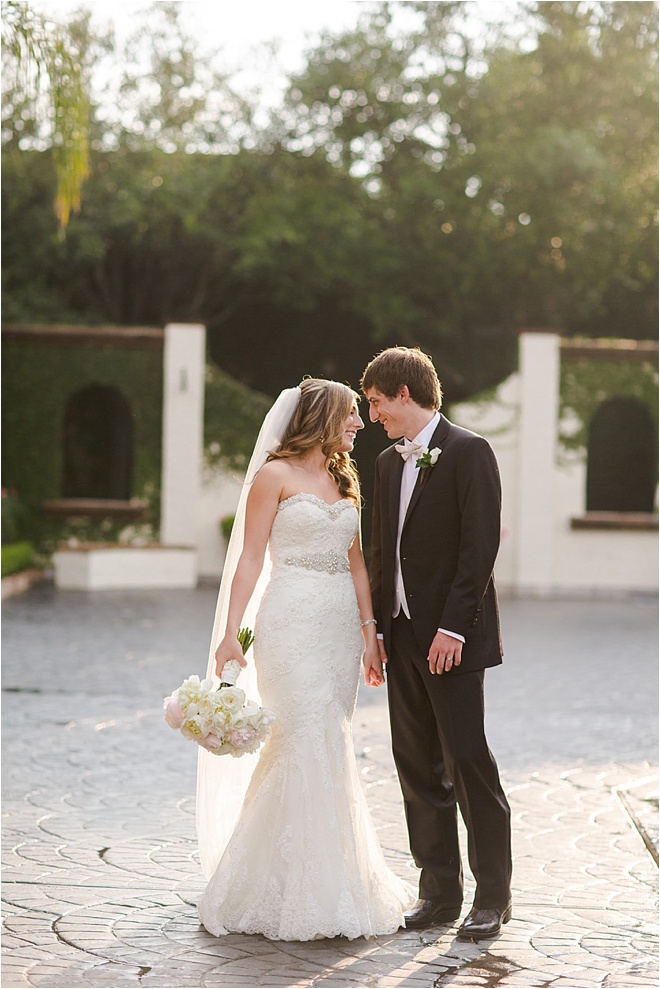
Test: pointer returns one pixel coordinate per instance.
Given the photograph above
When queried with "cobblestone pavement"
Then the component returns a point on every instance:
(101, 876)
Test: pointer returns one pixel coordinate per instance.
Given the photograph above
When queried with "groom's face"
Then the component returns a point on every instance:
(389, 412)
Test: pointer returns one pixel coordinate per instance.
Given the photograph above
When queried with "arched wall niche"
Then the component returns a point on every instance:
(621, 457)
(98, 444)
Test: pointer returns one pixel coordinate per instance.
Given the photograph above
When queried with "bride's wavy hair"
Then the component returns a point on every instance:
(320, 417)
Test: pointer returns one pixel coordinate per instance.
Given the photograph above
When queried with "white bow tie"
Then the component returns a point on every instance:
(409, 449)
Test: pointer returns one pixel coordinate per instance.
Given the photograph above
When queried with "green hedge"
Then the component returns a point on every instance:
(15, 519)
(15, 557)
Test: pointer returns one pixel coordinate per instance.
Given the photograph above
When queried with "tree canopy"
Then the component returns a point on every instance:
(423, 182)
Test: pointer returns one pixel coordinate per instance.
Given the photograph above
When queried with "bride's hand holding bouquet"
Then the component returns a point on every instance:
(230, 655)
(214, 712)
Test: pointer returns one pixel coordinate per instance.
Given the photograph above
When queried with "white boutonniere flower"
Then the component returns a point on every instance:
(429, 458)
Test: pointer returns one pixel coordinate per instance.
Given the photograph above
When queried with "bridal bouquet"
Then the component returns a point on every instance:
(216, 714)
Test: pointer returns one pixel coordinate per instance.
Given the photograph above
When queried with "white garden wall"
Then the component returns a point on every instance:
(219, 496)
(544, 488)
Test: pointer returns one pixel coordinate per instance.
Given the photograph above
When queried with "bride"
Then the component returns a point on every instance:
(297, 858)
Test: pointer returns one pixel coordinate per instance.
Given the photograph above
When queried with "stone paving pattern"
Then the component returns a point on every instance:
(100, 862)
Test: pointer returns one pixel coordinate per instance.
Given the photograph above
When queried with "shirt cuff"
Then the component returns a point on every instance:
(379, 635)
(454, 635)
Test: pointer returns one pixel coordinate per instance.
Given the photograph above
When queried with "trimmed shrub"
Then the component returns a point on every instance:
(15, 557)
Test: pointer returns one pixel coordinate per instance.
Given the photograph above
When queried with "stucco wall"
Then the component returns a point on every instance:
(219, 496)
(544, 487)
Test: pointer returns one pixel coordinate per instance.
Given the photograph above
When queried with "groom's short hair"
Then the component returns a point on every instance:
(398, 366)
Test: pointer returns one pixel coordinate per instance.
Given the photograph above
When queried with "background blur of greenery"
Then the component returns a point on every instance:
(423, 185)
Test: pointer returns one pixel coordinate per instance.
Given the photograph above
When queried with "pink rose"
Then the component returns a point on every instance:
(173, 713)
(211, 743)
(243, 738)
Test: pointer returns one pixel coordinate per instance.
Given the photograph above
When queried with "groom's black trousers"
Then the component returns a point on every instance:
(442, 758)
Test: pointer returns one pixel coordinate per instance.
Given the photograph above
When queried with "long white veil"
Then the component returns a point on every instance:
(222, 781)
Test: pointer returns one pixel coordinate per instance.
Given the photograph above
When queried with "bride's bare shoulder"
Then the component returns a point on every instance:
(274, 473)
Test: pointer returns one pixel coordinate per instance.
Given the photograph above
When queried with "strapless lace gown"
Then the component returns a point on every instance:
(304, 860)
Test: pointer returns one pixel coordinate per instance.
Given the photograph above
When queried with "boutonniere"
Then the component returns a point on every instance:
(429, 458)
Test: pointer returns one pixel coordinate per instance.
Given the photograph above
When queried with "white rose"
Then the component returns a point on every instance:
(190, 694)
(434, 454)
(221, 720)
(195, 728)
(206, 706)
(230, 699)
(262, 720)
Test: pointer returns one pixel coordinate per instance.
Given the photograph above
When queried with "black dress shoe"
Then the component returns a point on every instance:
(426, 913)
(480, 924)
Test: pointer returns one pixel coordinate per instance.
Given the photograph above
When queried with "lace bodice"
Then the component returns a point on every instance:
(309, 532)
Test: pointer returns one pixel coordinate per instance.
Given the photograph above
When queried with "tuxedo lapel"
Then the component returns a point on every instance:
(438, 437)
(416, 492)
(396, 471)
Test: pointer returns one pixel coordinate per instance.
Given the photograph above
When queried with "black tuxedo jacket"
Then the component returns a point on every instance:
(449, 542)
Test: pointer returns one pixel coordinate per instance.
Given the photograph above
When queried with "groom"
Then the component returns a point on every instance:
(436, 530)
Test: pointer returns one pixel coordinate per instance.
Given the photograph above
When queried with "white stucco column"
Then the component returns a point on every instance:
(539, 405)
(183, 432)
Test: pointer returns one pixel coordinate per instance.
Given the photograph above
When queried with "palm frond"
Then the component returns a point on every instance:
(43, 59)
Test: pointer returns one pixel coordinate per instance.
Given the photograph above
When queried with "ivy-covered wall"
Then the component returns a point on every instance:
(586, 383)
(38, 378)
(233, 414)
(37, 381)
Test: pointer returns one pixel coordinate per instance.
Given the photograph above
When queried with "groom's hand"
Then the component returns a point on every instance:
(445, 653)
(382, 654)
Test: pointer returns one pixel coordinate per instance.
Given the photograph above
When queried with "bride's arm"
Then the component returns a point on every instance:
(373, 668)
(260, 510)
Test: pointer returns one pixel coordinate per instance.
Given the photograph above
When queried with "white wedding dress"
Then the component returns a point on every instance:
(304, 860)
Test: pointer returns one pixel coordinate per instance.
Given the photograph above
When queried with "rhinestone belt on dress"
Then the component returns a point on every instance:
(330, 562)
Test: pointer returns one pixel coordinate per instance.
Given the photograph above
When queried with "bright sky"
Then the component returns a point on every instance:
(236, 30)
(233, 26)
(239, 28)
(220, 22)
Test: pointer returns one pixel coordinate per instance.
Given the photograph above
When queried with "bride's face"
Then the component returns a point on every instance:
(351, 426)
